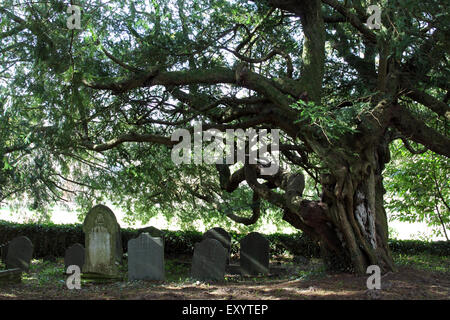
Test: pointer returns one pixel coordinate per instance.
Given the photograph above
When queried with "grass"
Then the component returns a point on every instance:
(177, 272)
(424, 261)
(46, 273)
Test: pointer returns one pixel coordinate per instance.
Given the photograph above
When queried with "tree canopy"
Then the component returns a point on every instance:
(89, 112)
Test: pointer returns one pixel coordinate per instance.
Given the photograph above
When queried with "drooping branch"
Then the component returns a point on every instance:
(256, 212)
(418, 131)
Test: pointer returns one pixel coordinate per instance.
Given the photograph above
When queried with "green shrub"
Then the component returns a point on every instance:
(412, 247)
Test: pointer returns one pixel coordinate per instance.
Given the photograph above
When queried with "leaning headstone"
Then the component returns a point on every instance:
(10, 276)
(145, 258)
(222, 236)
(209, 260)
(20, 252)
(103, 243)
(74, 256)
(254, 254)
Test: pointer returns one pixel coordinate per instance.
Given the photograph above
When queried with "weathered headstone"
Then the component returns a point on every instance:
(74, 256)
(222, 236)
(209, 260)
(146, 258)
(20, 252)
(254, 254)
(103, 243)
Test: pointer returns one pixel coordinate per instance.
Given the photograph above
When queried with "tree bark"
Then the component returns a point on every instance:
(350, 221)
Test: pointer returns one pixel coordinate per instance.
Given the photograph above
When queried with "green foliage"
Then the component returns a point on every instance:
(418, 188)
(47, 113)
(45, 272)
(333, 125)
(177, 271)
(412, 247)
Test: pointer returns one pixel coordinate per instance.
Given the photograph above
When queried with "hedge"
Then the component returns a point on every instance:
(52, 240)
(411, 247)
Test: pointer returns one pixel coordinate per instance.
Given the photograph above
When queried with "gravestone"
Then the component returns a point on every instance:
(209, 260)
(222, 236)
(152, 231)
(20, 252)
(4, 252)
(74, 256)
(146, 258)
(103, 243)
(254, 254)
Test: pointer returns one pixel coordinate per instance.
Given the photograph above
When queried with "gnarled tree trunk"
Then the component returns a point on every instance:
(349, 222)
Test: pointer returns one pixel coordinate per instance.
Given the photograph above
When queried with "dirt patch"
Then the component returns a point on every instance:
(407, 283)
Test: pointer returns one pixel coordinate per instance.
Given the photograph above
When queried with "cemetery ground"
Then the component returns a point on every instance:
(422, 276)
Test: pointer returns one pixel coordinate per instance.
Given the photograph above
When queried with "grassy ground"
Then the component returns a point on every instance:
(419, 277)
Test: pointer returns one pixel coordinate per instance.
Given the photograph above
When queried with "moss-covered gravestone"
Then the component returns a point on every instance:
(103, 243)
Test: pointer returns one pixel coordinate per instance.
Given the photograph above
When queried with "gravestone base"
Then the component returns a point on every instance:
(100, 278)
(10, 276)
(234, 269)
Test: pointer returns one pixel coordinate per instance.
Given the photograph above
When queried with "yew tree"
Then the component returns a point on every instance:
(339, 89)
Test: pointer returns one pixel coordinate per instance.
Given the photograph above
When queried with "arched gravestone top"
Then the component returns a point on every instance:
(103, 243)
(74, 256)
(254, 254)
(209, 260)
(152, 231)
(220, 235)
(20, 252)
